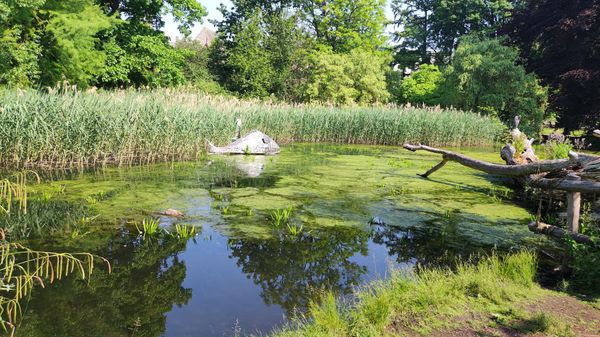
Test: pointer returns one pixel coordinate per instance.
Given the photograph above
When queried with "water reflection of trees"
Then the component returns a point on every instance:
(145, 284)
(432, 243)
(292, 271)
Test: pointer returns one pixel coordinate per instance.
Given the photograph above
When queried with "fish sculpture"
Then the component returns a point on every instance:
(254, 142)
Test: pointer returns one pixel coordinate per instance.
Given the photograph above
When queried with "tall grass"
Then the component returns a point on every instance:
(417, 303)
(60, 129)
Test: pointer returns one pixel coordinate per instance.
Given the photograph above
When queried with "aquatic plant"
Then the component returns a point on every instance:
(21, 269)
(163, 125)
(185, 232)
(294, 230)
(281, 216)
(149, 228)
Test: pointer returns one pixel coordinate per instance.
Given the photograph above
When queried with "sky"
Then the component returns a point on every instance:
(211, 6)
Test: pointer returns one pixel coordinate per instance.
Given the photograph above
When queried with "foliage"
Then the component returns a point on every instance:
(151, 126)
(421, 87)
(150, 12)
(85, 43)
(69, 42)
(150, 228)
(430, 29)
(292, 49)
(585, 266)
(585, 259)
(135, 55)
(560, 41)
(485, 77)
(196, 66)
(344, 25)
(256, 50)
(557, 150)
(428, 298)
(343, 79)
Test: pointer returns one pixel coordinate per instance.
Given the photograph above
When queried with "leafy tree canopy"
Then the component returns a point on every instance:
(185, 12)
(421, 87)
(560, 41)
(430, 29)
(484, 77)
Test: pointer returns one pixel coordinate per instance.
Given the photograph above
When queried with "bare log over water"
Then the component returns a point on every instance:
(505, 170)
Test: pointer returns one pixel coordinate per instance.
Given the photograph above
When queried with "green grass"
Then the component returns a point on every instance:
(39, 129)
(416, 303)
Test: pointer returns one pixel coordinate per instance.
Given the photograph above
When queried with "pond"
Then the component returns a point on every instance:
(356, 213)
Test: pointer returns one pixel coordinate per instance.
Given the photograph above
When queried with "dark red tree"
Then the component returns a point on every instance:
(560, 41)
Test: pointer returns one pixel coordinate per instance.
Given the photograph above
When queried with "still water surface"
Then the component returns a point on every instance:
(362, 212)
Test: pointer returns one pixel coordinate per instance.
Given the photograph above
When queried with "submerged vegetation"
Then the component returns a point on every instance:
(77, 128)
(430, 299)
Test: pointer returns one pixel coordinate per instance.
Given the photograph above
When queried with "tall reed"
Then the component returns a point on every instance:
(79, 128)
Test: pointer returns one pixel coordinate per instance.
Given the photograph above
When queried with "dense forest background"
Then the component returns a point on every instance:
(539, 59)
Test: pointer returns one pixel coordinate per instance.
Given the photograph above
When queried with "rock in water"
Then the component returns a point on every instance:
(597, 133)
(255, 142)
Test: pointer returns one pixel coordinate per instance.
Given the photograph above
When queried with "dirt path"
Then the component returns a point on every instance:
(549, 316)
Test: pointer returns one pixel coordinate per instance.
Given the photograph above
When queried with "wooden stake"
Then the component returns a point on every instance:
(573, 207)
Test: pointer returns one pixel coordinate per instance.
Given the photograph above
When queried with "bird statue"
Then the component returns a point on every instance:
(238, 129)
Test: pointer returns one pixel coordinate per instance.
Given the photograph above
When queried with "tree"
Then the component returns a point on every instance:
(430, 29)
(185, 12)
(196, 65)
(422, 86)
(69, 42)
(139, 56)
(559, 40)
(355, 77)
(256, 48)
(345, 25)
(484, 77)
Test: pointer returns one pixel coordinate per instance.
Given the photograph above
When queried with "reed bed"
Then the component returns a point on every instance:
(77, 128)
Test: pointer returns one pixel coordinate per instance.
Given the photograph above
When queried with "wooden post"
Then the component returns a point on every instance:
(573, 207)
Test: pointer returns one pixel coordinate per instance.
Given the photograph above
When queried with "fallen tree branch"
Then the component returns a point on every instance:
(505, 170)
(583, 186)
(557, 232)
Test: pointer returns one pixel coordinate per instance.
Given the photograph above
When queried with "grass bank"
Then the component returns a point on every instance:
(38, 129)
(493, 293)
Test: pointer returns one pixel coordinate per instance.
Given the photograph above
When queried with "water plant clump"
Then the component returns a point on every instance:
(280, 217)
(294, 229)
(165, 125)
(184, 232)
(149, 228)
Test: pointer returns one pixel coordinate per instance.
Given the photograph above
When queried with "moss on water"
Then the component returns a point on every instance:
(325, 185)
